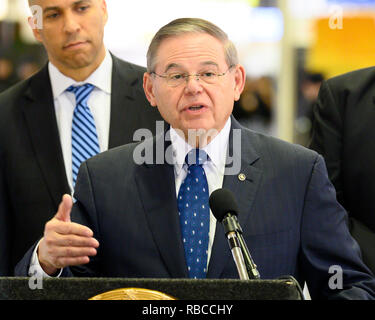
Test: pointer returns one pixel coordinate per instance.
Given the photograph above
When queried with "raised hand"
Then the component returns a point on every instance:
(65, 243)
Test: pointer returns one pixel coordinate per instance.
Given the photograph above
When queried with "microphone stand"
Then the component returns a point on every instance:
(250, 265)
(238, 258)
(236, 241)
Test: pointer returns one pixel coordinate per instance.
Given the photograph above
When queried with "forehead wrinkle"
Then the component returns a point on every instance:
(53, 4)
(189, 50)
(192, 52)
(182, 60)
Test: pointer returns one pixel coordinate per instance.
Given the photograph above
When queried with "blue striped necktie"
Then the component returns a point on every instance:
(84, 137)
(194, 212)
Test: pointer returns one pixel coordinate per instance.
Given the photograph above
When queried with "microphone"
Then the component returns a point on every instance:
(224, 207)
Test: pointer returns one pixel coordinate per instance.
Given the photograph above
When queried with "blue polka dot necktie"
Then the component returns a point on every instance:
(84, 136)
(194, 211)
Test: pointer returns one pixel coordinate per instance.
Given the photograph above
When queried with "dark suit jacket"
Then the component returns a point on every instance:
(32, 172)
(287, 208)
(344, 133)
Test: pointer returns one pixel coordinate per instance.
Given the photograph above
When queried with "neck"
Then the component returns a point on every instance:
(199, 138)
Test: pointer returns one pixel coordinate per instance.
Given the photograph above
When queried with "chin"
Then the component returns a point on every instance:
(200, 124)
(79, 63)
(79, 60)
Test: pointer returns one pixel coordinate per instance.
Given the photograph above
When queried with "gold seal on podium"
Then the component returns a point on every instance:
(132, 294)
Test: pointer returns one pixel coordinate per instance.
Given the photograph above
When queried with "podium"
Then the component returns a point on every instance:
(15, 288)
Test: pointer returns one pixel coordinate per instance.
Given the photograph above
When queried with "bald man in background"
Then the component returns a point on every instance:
(37, 160)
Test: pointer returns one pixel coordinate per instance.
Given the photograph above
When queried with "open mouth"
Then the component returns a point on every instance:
(194, 108)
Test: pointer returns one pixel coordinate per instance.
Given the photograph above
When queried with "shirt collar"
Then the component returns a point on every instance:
(215, 149)
(101, 78)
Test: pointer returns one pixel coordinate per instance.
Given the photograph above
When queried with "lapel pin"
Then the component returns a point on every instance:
(242, 177)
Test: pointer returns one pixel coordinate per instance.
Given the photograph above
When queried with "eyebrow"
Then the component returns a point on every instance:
(80, 1)
(171, 65)
(50, 9)
(54, 8)
(210, 63)
(205, 63)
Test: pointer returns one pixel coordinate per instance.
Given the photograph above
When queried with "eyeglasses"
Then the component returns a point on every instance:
(175, 79)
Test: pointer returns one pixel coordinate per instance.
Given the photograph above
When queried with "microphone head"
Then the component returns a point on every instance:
(222, 202)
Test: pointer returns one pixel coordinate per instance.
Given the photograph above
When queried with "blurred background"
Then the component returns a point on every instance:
(287, 48)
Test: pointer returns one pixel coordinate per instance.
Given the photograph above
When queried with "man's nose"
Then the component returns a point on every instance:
(71, 23)
(193, 84)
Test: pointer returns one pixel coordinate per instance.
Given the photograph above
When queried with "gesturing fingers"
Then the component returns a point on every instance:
(66, 239)
(60, 250)
(62, 262)
(62, 227)
(66, 244)
(73, 252)
(77, 252)
(72, 240)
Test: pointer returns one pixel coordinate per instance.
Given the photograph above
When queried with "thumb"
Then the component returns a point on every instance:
(63, 213)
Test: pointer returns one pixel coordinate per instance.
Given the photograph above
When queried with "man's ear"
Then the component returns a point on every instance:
(35, 29)
(240, 79)
(148, 87)
(105, 10)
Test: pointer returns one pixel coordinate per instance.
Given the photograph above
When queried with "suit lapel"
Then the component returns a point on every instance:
(123, 104)
(156, 184)
(41, 122)
(244, 186)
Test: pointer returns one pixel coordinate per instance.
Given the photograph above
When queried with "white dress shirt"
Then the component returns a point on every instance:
(99, 103)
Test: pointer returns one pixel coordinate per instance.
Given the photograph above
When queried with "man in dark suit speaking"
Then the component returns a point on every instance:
(142, 215)
(43, 136)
